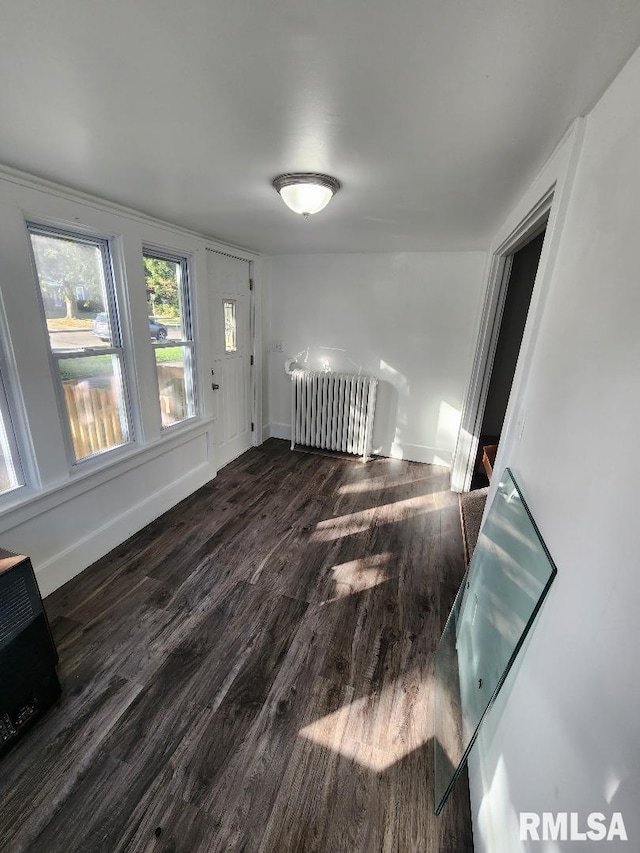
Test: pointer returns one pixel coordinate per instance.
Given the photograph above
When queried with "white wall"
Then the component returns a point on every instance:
(410, 319)
(70, 515)
(565, 734)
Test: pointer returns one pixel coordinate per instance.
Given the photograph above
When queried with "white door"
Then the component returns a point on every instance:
(231, 328)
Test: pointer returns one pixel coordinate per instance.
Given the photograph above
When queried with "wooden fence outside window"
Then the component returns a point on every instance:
(94, 413)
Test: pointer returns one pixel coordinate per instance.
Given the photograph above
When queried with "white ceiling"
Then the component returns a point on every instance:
(435, 114)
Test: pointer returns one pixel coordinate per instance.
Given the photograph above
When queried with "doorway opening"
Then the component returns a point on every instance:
(520, 275)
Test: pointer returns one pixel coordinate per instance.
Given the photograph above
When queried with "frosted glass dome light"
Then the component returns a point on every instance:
(306, 192)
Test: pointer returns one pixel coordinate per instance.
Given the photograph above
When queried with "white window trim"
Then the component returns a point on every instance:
(188, 326)
(107, 248)
(12, 413)
(10, 447)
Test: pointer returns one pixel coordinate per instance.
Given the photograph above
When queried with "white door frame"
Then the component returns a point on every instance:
(545, 201)
(255, 307)
(255, 326)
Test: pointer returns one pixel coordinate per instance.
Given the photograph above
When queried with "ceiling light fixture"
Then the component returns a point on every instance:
(306, 192)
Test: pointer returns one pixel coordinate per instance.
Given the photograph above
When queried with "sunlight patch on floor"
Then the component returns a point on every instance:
(380, 729)
(359, 575)
(384, 481)
(358, 522)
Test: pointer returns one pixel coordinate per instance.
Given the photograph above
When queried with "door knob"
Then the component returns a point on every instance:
(214, 386)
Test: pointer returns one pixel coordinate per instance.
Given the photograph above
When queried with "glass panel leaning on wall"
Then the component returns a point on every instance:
(170, 328)
(509, 576)
(79, 301)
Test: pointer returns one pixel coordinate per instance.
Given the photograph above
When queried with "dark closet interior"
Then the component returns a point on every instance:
(514, 317)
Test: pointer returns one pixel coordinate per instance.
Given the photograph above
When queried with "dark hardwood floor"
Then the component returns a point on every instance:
(253, 672)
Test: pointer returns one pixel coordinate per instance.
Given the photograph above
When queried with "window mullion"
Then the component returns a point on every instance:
(87, 353)
(172, 344)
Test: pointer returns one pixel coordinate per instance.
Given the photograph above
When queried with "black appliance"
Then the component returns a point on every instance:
(28, 657)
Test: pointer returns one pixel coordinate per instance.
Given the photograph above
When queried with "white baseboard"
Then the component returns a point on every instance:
(394, 450)
(277, 431)
(72, 560)
(414, 453)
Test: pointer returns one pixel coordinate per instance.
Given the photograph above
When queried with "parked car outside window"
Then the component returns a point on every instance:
(101, 329)
(157, 330)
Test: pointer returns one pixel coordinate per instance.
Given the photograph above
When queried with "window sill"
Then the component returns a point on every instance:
(32, 502)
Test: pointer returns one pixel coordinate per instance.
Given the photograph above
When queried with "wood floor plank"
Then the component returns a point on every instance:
(253, 777)
(302, 816)
(41, 775)
(162, 821)
(253, 671)
(204, 783)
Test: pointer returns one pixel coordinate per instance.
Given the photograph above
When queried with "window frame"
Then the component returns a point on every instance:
(111, 308)
(13, 421)
(187, 343)
(13, 447)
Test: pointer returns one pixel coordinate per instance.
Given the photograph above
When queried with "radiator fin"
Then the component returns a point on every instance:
(333, 411)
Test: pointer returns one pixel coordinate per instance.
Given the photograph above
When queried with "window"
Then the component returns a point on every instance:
(230, 340)
(167, 283)
(11, 476)
(79, 300)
